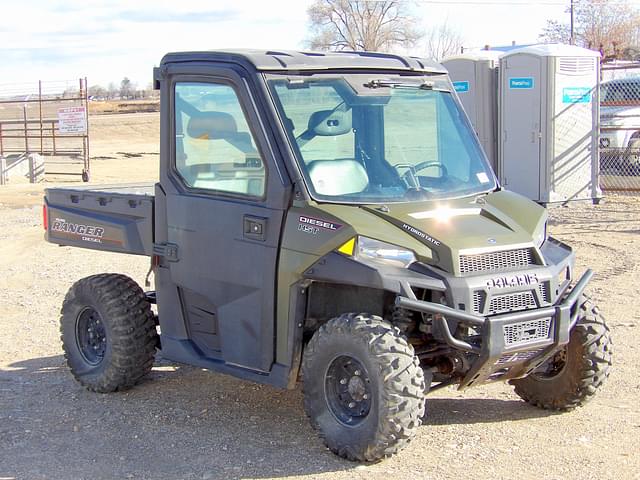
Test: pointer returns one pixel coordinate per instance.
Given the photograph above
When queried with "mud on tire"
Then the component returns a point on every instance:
(108, 332)
(363, 386)
(580, 368)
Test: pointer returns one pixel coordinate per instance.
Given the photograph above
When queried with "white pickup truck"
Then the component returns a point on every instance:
(620, 124)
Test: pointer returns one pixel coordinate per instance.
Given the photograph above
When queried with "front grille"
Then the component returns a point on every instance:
(518, 356)
(493, 261)
(526, 332)
(478, 301)
(512, 302)
(544, 292)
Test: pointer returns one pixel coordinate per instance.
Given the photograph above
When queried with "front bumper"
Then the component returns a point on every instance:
(511, 345)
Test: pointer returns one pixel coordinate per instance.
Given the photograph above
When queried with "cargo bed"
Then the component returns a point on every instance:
(117, 218)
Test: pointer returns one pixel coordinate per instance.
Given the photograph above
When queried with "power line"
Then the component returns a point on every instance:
(525, 3)
(572, 40)
(509, 3)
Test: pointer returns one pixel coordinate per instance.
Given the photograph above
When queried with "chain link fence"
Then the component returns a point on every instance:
(620, 128)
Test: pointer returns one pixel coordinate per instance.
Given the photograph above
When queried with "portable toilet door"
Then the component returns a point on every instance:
(574, 152)
(548, 122)
(474, 77)
(520, 124)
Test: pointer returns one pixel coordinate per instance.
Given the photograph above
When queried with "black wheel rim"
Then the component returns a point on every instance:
(348, 390)
(552, 367)
(91, 336)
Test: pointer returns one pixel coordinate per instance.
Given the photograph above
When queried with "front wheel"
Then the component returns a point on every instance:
(574, 374)
(363, 387)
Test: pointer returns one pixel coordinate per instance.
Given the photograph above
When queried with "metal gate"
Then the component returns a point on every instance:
(49, 119)
(620, 127)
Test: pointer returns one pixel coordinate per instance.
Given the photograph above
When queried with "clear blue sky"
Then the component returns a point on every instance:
(107, 40)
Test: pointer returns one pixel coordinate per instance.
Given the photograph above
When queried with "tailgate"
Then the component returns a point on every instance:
(113, 218)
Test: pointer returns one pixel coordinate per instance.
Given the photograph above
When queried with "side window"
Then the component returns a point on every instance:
(215, 149)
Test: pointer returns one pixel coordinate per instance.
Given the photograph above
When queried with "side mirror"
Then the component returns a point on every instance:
(328, 123)
(156, 78)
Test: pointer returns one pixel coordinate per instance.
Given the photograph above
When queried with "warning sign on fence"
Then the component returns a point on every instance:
(72, 120)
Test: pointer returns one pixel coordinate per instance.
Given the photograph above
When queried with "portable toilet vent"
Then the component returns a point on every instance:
(548, 118)
(475, 79)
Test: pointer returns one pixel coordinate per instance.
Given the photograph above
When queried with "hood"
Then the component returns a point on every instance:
(496, 221)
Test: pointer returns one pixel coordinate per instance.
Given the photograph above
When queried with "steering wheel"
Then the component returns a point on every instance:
(410, 176)
(428, 164)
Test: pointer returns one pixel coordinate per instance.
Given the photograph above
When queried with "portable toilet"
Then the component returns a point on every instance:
(548, 119)
(475, 79)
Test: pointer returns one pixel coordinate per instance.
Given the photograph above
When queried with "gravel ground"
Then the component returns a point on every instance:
(184, 422)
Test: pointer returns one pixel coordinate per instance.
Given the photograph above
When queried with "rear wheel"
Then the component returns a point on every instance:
(108, 332)
(574, 374)
(363, 387)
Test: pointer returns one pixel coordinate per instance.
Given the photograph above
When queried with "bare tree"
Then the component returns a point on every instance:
(555, 32)
(610, 26)
(127, 89)
(97, 91)
(631, 53)
(112, 91)
(71, 92)
(443, 41)
(362, 25)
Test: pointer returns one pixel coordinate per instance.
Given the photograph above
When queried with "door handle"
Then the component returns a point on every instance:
(254, 228)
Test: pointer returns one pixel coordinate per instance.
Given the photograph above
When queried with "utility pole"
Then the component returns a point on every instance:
(572, 39)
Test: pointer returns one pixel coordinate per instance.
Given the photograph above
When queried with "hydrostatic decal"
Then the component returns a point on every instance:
(421, 234)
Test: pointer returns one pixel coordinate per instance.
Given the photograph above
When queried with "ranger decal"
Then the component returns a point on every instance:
(88, 233)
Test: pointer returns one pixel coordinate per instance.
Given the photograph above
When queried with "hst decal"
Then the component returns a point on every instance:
(316, 222)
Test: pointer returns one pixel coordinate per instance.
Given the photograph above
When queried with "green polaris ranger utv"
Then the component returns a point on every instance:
(329, 218)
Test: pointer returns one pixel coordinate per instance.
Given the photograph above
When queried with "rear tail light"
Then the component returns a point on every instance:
(45, 217)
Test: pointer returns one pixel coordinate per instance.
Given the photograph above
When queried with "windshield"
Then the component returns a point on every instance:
(365, 140)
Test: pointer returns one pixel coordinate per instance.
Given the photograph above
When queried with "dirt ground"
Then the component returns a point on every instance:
(184, 422)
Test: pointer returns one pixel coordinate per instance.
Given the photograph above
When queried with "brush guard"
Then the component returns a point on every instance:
(513, 344)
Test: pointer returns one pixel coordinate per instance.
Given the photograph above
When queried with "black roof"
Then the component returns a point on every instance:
(284, 60)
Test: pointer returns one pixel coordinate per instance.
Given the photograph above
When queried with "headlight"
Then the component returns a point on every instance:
(371, 250)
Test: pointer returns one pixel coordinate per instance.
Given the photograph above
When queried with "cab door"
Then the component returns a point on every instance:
(223, 198)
